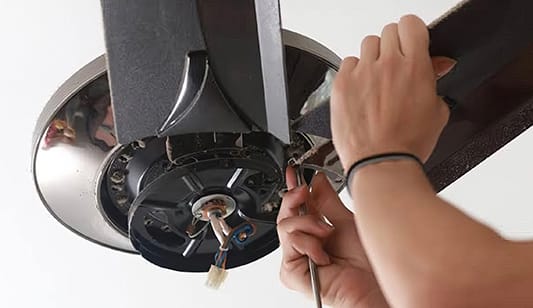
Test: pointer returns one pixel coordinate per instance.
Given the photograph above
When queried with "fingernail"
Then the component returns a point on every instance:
(326, 226)
(284, 191)
(327, 222)
(444, 65)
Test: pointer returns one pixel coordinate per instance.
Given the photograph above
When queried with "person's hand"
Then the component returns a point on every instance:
(346, 277)
(387, 101)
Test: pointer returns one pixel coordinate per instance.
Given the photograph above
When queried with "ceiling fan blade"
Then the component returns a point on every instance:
(491, 86)
(147, 45)
(191, 66)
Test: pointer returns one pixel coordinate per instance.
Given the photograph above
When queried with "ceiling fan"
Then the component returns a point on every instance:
(173, 144)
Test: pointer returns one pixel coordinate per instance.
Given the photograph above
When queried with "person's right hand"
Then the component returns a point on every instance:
(387, 101)
(346, 277)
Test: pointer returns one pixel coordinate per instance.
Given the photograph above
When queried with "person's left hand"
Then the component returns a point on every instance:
(346, 277)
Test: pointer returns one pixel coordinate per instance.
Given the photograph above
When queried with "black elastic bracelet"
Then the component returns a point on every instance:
(375, 159)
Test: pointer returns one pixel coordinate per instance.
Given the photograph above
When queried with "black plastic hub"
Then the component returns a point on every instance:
(152, 186)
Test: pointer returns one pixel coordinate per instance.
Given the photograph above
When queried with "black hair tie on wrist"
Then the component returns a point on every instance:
(376, 159)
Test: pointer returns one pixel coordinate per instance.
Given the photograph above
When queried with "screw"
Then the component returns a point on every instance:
(269, 207)
(139, 144)
(121, 201)
(117, 188)
(125, 158)
(117, 177)
(243, 236)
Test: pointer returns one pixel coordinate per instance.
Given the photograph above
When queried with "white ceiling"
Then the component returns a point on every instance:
(42, 264)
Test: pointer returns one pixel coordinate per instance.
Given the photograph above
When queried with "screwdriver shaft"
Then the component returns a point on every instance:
(313, 270)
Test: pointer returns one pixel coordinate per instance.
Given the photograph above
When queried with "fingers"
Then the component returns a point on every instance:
(326, 200)
(390, 40)
(309, 224)
(323, 199)
(414, 36)
(297, 244)
(370, 48)
(442, 65)
(409, 37)
(301, 235)
(348, 64)
(290, 178)
(292, 200)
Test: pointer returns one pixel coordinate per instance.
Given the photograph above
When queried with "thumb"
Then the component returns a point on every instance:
(442, 65)
(326, 200)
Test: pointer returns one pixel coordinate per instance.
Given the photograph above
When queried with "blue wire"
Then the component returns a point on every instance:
(221, 256)
(222, 259)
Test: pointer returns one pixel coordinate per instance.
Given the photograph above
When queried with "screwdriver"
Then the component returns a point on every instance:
(313, 270)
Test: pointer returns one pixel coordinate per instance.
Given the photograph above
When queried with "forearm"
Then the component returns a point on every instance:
(415, 240)
(424, 252)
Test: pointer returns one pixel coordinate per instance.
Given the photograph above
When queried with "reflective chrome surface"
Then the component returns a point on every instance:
(195, 74)
(228, 206)
(74, 141)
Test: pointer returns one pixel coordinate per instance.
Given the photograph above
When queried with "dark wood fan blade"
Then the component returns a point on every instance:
(491, 86)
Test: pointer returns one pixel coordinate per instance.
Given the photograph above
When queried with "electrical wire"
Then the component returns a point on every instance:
(217, 272)
(222, 254)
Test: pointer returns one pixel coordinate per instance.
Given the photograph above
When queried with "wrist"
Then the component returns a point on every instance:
(389, 167)
(355, 156)
(374, 160)
(384, 172)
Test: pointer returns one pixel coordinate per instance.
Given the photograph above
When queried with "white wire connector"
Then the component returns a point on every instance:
(217, 273)
(216, 277)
